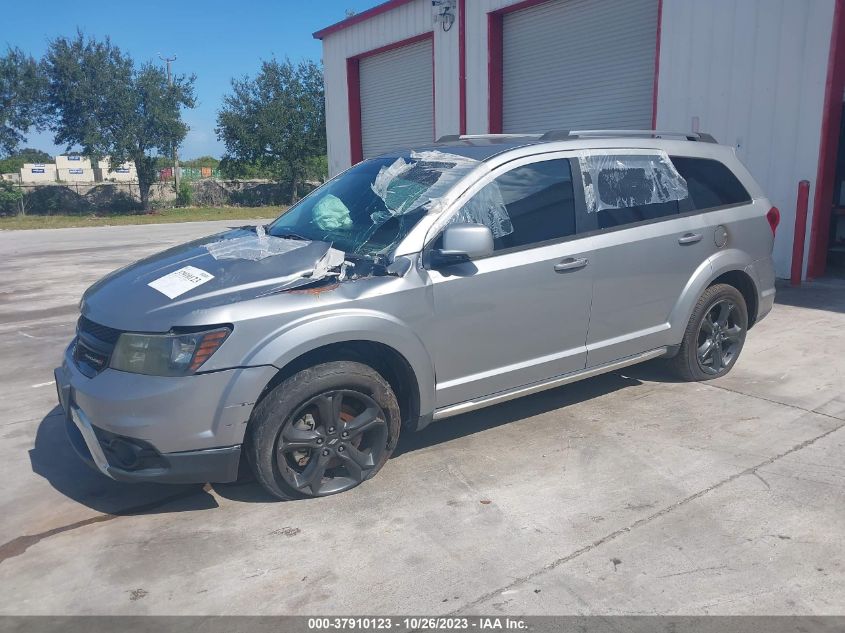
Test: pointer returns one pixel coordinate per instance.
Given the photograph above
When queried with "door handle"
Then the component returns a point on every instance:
(570, 263)
(689, 238)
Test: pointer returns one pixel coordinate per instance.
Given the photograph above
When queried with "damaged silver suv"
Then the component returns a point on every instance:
(414, 287)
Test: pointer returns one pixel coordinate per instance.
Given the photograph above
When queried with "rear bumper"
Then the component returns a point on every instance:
(762, 272)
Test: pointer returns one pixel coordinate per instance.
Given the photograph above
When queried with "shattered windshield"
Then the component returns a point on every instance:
(370, 208)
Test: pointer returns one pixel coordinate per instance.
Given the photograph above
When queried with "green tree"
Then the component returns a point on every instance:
(15, 161)
(10, 197)
(202, 161)
(98, 99)
(276, 121)
(21, 85)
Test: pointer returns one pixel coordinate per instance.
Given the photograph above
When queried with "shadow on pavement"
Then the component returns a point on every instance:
(822, 294)
(467, 424)
(511, 411)
(53, 458)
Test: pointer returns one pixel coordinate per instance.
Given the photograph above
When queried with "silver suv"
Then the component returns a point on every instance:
(414, 287)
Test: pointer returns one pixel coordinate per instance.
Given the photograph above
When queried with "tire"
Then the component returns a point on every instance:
(322, 431)
(714, 338)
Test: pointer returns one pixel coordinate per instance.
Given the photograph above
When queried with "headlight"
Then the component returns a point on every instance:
(166, 354)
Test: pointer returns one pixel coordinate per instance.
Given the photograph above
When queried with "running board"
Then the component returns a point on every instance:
(527, 390)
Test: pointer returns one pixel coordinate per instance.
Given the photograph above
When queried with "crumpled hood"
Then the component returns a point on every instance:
(124, 300)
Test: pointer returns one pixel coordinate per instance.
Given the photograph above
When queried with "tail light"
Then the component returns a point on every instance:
(773, 216)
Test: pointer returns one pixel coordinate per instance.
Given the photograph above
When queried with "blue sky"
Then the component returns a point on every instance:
(214, 39)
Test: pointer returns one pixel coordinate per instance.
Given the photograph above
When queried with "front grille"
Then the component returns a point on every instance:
(100, 332)
(94, 345)
(90, 361)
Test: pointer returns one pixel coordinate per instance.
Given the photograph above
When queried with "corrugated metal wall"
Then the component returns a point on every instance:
(556, 75)
(396, 98)
(408, 20)
(753, 73)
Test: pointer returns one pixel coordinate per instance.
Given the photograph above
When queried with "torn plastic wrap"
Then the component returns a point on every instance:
(253, 246)
(332, 264)
(614, 180)
(407, 185)
(332, 259)
(486, 207)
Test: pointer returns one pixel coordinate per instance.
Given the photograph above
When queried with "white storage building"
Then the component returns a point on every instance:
(764, 76)
(74, 169)
(125, 172)
(38, 172)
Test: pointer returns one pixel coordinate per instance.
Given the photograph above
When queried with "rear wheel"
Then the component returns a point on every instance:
(324, 430)
(714, 336)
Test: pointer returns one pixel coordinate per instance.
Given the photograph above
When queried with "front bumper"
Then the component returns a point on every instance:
(219, 465)
(147, 428)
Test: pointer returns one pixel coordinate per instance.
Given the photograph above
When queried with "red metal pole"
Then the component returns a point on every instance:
(800, 232)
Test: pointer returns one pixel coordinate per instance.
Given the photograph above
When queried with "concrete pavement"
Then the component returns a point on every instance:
(627, 493)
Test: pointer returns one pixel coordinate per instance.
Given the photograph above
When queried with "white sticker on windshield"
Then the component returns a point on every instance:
(180, 281)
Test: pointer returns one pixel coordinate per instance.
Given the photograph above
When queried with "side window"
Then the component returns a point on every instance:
(626, 188)
(529, 204)
(710, 183)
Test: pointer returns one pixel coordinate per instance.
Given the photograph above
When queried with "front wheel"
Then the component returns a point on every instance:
(714, 336)
(322, 431)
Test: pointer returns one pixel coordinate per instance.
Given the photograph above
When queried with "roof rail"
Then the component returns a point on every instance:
(561, 135)
(448, 138)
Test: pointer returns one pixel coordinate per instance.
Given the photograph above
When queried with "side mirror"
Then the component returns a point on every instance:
(461, 243)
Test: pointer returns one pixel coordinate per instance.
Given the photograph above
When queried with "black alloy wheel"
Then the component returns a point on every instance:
(332, 442)
(714, 336)
(720, 337)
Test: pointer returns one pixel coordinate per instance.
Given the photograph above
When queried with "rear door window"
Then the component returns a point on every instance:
(630, 186)
(710, 183)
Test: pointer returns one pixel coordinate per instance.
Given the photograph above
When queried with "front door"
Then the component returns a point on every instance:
(521, 315)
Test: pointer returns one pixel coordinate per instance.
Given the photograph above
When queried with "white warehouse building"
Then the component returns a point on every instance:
(766, 76)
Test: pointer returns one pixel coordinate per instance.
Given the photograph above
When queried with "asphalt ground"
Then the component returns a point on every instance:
(629, 493)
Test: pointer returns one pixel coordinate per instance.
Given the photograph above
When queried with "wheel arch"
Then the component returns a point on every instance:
(388, 361)
(743, 282)
(728, 266)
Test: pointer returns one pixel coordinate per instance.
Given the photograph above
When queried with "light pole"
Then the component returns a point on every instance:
(168, 61)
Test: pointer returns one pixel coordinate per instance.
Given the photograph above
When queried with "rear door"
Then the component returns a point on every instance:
(647, 245)
(519, 316)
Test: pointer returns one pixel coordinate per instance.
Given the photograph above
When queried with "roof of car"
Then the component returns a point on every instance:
(476, 147)
(484, 146)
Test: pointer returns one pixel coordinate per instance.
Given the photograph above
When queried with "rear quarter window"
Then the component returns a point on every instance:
(710, 183)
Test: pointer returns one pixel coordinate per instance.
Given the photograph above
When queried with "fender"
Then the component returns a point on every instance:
(311, 332)
(724, 261)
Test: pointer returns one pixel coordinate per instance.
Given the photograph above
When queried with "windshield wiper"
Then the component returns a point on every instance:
(293, 236)
(379, 267)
